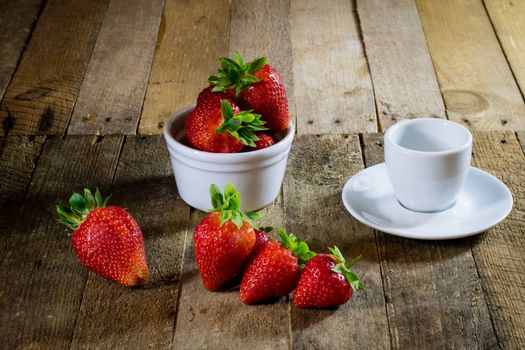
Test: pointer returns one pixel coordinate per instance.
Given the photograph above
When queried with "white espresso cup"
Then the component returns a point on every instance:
(427, 162)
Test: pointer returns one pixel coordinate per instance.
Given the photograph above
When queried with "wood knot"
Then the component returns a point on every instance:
(465, 102)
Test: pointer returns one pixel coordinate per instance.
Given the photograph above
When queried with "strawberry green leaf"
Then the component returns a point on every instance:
(89, 199)
(77, 203)
(343, 269)
(298, 248)
(79, 209)
(217, 200)
(256, 64)
(228, 205)
(235, 74)
(241, 125)
(99, 199)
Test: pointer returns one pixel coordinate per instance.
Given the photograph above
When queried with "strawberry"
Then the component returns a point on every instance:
(326, 281)
(256, 86)
(275, 269)
(217, 125)
(265, 140)
(261, 237)
(224, 239)
(106, 239)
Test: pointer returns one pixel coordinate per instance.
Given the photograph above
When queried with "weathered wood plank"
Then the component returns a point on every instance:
(221, 316)
(508, 18)
(521, 138)
(271, 37)
(18, 158)
(332, 85)
(432, 290)
(16, 22)
(42, 280)
(405, 83)
(115, 317)
(111, 96)
(499, 252)
(41, 95)
(476, 82)
(192, 37)
(318, 168)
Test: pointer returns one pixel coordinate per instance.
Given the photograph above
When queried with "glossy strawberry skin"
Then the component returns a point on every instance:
(261, 237)
(110, 243)
(265, 140)
(319, 286)
(202, 122)
(273, 272)
(221, 250)
(267, 97)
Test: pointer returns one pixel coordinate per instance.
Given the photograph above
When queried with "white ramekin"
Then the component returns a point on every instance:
(256, 175)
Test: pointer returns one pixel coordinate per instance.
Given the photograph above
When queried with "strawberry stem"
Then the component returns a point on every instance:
(235, 74)
(298, 248)
(344, 269)
(228, 205)
(242, 126)
(79, 207)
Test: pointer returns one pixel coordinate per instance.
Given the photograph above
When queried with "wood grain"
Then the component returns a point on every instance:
(432, 290)
(42, 93)
(521, 138)
(508, 18)
(224, 320)
(318, 168)
(477, 85)
(42, 282)
(405, 84)
(499, 252)
(111, 96)
(270, 37)
(16, 23)
(193, 35)
(18, 159)
(112, 316)
(332, 86)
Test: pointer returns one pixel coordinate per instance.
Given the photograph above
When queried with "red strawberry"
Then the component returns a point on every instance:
(217, 125)
(326, 282)
(224, 239)
(275, 269)
(265, 140)
(107, 240)
(257, 86)
(261, 237)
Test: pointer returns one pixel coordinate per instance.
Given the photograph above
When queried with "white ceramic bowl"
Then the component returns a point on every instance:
(256, 175)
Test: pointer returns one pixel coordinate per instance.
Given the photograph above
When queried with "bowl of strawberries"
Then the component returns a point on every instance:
(238, 132)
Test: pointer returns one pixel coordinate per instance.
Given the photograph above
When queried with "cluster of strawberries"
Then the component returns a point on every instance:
(228, 243)
(243, 106)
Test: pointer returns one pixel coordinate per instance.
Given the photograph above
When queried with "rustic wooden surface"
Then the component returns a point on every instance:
(109, 69)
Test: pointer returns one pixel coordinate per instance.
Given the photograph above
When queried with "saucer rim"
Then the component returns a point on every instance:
(420, 236)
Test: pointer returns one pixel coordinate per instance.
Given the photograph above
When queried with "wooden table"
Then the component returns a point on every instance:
(86, 86)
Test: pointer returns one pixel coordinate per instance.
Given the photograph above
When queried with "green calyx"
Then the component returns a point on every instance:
(235, 74)
(228, 205)
(298, 248)
(79, 207)
(242, 126)
(344, 269)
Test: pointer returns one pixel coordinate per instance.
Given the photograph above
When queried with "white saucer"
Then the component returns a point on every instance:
(483, 202)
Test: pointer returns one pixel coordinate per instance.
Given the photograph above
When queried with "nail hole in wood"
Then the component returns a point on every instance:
(108, 119)
(160, 125)
(503, 141)
(310, 122)
(504, 122)
(338, 121)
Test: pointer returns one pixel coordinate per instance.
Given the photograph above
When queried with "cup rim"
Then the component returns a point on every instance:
(459, 149)
(174, 145)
